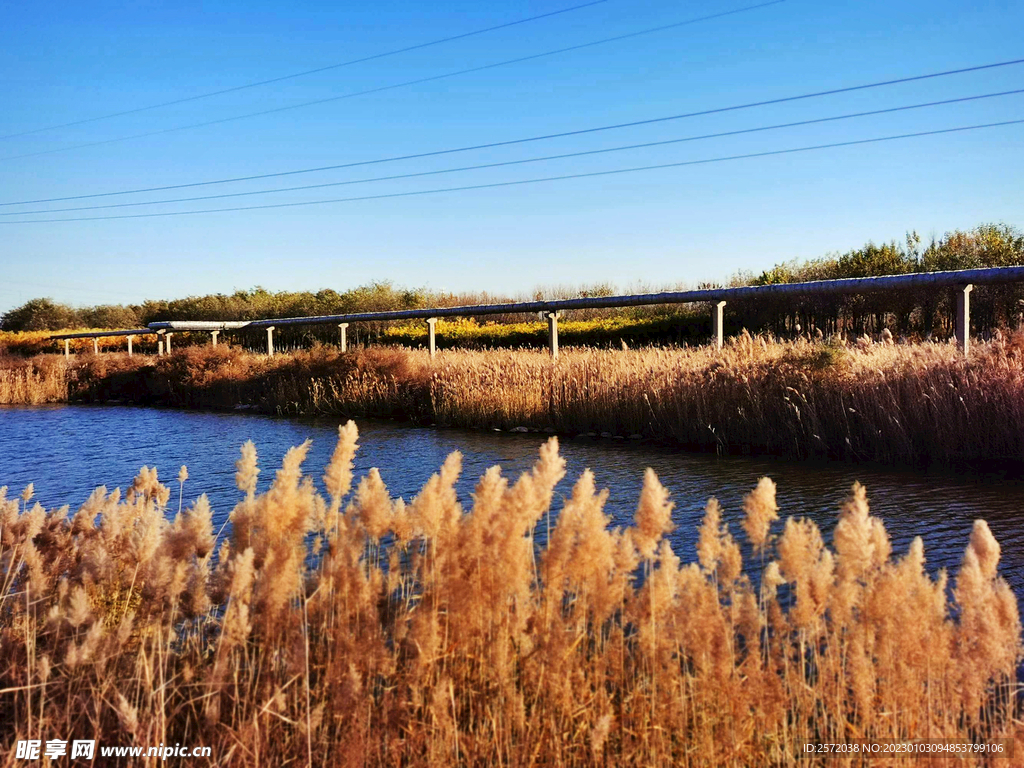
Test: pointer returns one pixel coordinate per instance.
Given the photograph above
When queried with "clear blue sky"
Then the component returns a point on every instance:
(63, 61)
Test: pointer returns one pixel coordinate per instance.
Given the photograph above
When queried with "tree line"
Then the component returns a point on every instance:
(924, 311)
(905, 312)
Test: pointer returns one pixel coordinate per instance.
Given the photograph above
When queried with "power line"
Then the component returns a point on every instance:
(418, 81)
(304, 73)
(544, 137)
(567, 155)
(538, 180)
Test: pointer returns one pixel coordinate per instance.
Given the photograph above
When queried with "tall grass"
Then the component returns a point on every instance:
(43, 380)
(880, 401)
(353, 628)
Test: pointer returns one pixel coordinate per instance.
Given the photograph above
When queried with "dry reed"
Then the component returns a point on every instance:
(44, 380)
(888, 403)
(358, 629)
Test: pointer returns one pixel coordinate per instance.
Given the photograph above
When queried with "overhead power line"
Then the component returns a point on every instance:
(304, 73)
(521, 182)
(404, 84)
(543, 137)
(504, 163)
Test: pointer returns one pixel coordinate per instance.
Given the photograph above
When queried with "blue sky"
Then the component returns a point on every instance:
(63, 62)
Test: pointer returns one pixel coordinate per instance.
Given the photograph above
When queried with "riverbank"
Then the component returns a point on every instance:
(913, 404)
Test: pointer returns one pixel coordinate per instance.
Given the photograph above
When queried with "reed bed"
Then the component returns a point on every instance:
(865, 400)
(353, 628)
(892, 403)
(33, 382)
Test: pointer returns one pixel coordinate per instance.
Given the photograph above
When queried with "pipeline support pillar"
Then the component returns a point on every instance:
(130, 345)
(343, 336)
(552, 333)
(213, 338)
(167, 348)
(963, 318)
(431, 341)
(717, 314)
(270, 341)
(95, 345)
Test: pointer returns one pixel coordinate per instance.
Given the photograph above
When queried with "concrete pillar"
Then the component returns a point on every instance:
(213, 338)
(716, 323)
(160, 348)
(431, 322)
(552, 333)
(67, 348)
(167, 348)
(963, 318)
(343, 336)
(130, 345)
(270, 341)
(95, 345)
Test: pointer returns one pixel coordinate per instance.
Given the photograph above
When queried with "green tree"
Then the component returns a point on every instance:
(41, 315)
(110, 316)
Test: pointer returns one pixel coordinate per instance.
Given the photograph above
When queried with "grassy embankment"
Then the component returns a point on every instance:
(421, 634)
(913, 404)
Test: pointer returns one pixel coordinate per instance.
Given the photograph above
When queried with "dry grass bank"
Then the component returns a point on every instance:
(33, 381)
(909, 404)
(358, 629)
(882, 402)
(380, 382)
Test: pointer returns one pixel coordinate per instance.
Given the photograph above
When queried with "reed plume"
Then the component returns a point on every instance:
(761, 510)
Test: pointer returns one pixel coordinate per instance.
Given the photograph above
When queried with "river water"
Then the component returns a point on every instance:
(66, 451)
